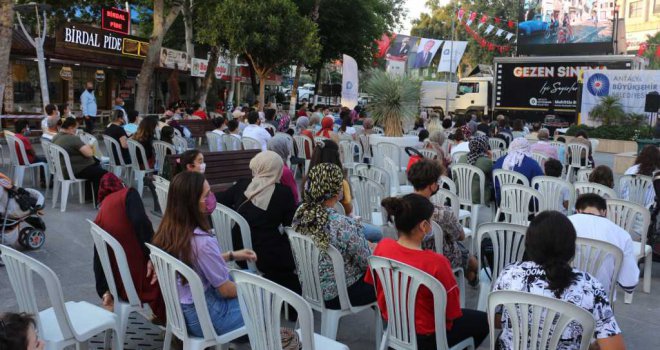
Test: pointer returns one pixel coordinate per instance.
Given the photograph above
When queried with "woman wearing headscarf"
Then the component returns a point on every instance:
(122, 215)
(280, 145)
(435, 141)
(327, 129)
(302, 126)
(318, 219)
(266, 204)
(519, 159)
(479, 156)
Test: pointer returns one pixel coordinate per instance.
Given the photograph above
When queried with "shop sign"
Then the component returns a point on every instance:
(174, 59)
(99, 76)
(115, 20)
(87, 38)
(66, 73)
(200, 66)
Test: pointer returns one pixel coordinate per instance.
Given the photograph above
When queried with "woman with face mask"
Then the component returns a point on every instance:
(185, 233)
(412, 215)
(267, 205)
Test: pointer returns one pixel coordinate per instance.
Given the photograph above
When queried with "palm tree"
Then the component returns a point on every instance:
(393, 100)
(609, 111)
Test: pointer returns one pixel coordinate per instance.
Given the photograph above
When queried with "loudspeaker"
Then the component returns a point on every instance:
(652, 104)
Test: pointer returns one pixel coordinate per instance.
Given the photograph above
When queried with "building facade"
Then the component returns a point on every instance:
(642, 19)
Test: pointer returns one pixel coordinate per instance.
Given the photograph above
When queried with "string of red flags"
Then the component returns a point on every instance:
(491, 25)
(643, 47)
(485, 43)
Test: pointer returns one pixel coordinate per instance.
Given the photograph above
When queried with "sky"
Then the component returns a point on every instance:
(415, 7)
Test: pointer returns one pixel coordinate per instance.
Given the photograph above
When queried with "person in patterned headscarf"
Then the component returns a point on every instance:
(479, 156)
(318, 219)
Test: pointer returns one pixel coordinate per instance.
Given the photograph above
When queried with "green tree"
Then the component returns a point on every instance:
(271, 33)
(653, 43)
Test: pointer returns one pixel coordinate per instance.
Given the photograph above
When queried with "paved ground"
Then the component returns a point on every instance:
(68, 252)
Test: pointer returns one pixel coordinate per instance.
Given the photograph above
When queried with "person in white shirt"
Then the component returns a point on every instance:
(646, 163)
(591, 222)
(51, 113)
(255, 131)
(220, 124)
(553, 167)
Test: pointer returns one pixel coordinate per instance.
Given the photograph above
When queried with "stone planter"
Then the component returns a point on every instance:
(402, 141)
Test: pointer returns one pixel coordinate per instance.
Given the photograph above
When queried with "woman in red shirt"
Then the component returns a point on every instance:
(412, 216)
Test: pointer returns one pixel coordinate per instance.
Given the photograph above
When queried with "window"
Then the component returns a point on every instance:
(468, 88)
(656, 6)
(636, 9)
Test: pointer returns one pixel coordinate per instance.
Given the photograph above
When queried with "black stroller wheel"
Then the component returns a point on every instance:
(32, 238)
(23, 235)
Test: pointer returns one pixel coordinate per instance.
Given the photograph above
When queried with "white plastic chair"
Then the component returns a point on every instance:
(169, 271)
(224, 219)
(496, 143)
(120, 169)
(538, 322)
(214, 141)
(638, 189)
(439, 240)
(378, 130)
(463, 174)
(503, 177)
(449, 184)
(440, 199)
(400, 284)
(498, 153)
(250, 143)
(457, 156)
(428, 153)
(583, 175)
(592, 254)
(108, 247)
(516, 201)
(635, 219)
(592, 187)
(161, 150)
(396, 188)
(367, 194)
(303, 143)
(18, 168)
(413, 132)
(390, 150)
(575, 152)
(261, 303)
(270, 127)
(307, 256)
(347, 151)
(64, 323)
(375, 173)
(508, 247)
(551, 190)
(540, 158)
(64, 177)
(162, 187)
(231, 143)
(139, 170)
(180, 143)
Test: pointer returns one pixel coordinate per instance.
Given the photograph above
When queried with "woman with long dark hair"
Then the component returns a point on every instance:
(646, 163)
(186, 234)
(550, 247)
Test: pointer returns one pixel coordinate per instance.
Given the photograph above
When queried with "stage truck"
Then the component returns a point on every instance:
(530, 88)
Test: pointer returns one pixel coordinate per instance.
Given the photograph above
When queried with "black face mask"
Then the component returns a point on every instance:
(90, 90)
(436, 191)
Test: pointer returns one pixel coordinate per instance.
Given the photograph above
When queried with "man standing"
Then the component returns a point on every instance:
(119, 106)
(88, 106)
(591, 222)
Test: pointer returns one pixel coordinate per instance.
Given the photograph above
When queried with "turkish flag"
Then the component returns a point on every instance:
(383, 45)
(510, 24)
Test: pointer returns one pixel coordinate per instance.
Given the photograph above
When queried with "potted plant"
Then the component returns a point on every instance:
(609, 111)
(393, 101)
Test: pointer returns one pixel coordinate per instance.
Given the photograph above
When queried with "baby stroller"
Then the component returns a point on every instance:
(20, 216)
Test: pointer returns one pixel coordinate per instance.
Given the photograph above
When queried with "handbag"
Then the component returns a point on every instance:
(415, 156)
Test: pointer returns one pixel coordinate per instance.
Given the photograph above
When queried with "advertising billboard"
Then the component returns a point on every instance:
(540, 86)
(555, 27)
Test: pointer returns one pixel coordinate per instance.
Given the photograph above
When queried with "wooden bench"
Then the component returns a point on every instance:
(224, 168)
(198, 128)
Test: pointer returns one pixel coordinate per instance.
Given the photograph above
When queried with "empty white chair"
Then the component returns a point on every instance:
(180, 143)
(304, 143)
(400, 284)
(348, 150)
(307, 256)
(583, 175)
(463, 174)
(121, 169)
(578, 157)
(638, 189)
(540, 158)
(214, 141)
(456, 156)
(250, 143)
(139, 164)
(64, 177)
(428, 153)
(438, 240)
(441, 198)
(169, 271)
(516, 201)
(224, 219)
(635, 219)
(597, 258)
(390, 150)
(19, 169)
(161, 150)
(554, 191)
(396, 188)
(592, 187)
(367, 194)
(162, 186)
(231, 143)
(109, 248)
(538, 322)
(63, 323)
(261, 303)
(375, 173)
(508, 247)
(496, 143)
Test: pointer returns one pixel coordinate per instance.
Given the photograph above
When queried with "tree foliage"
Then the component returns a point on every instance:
(650, 54)
(394, 100)
(609, 111)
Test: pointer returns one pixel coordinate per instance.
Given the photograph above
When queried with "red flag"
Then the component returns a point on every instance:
(657, 52)
(491, 47)
(473, 16)
(483, 19)
(482, 43)
(498, 20)
(383, 45)
(642, 49)
(510, 24)
(461, 12)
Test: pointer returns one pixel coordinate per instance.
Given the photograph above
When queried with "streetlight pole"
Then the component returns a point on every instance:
(451, 62)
